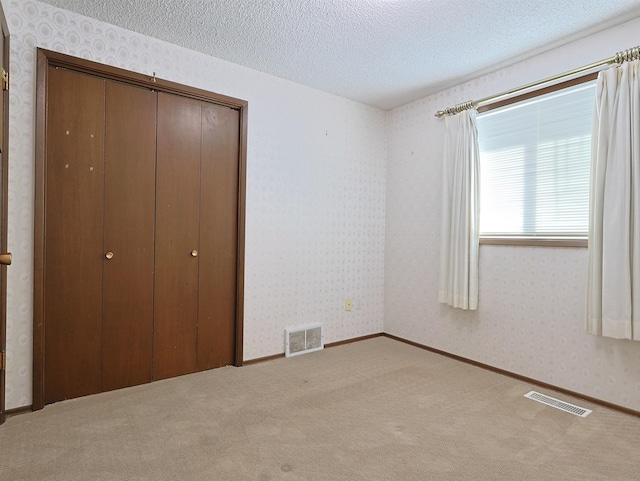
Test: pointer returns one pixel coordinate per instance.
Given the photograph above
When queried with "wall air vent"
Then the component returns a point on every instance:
(303, 340)
(556, 403)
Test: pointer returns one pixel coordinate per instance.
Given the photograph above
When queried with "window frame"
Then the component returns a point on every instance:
(540, 241)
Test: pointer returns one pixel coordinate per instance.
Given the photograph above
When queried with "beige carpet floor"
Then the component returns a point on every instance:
(373, 410)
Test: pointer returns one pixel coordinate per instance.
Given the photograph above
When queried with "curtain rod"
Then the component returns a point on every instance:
(618, 58)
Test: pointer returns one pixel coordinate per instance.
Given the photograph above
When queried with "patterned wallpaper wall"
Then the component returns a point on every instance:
(315, 187)
(530, 318)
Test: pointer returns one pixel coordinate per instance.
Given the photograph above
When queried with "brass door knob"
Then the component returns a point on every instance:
(5, 259)
(194, 253)
(109, 255)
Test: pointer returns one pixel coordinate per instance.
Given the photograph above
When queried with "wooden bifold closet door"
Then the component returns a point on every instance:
(100, 235)
(177, 225)
(74, 236)
(218, 236)
(140, 235)
(196, 236)
(129, 204)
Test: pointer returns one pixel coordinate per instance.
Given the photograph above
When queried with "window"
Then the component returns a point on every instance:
(535, 165)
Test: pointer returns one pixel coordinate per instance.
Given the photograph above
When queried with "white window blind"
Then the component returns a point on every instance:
(535, 165)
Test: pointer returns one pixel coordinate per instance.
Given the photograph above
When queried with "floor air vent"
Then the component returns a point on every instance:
(303, 340)
(556, 403)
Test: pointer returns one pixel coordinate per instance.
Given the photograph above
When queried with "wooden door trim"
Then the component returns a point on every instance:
(4, 201)
(242, 191)
(55, 59)
(38, 248)
(46, 59)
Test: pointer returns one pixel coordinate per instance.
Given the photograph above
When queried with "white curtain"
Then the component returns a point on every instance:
(460, 223)
(613, 296)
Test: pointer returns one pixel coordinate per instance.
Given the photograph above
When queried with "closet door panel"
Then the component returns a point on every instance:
(177, 235)
(130, 159)
(73, 232)
(218, 236)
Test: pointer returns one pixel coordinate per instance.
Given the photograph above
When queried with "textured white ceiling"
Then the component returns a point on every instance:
(383, 53)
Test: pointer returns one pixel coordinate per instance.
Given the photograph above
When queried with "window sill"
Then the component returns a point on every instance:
(535, 241)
